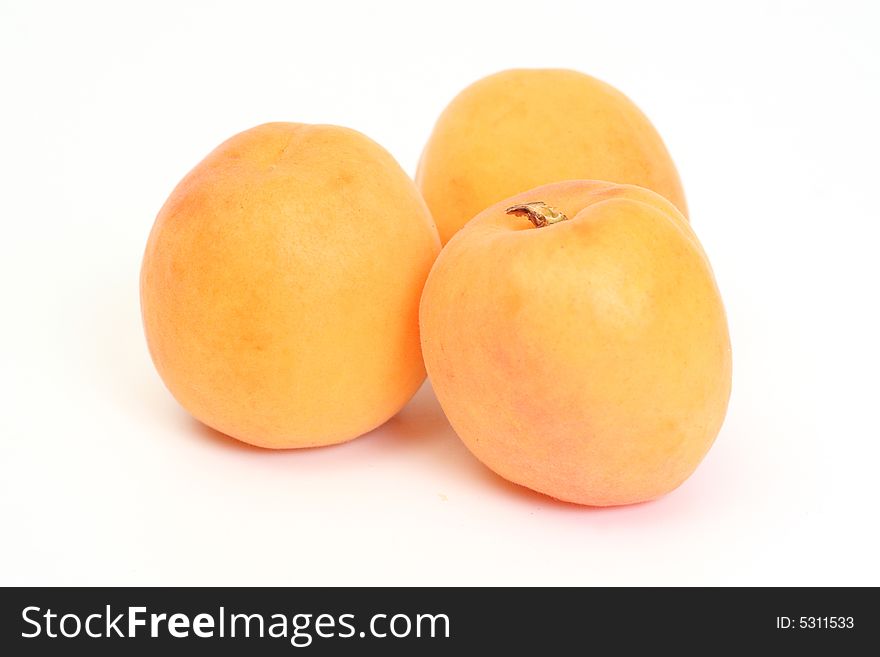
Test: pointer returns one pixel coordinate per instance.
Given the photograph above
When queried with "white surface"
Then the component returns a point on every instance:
(771, 112)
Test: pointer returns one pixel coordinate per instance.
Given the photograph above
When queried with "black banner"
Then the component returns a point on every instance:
(332, 621)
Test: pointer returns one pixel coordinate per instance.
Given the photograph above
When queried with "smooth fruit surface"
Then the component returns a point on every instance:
(587, 359)
(281, 282)
(521, 128)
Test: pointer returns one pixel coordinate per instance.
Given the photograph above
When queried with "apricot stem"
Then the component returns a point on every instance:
(538, 212)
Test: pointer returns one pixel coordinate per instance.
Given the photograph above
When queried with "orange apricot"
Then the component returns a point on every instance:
(577, 342)
(281, 282)
(521, 128)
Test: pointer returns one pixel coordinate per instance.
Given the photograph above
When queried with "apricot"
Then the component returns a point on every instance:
(281, 282)
(576, 340)
(518, 129)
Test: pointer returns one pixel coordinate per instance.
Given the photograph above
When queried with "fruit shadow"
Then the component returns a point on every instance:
(419, 433)
(423, 430)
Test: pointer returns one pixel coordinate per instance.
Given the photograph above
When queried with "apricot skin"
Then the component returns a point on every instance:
(521, 128)
(281, 282)
(588, 359)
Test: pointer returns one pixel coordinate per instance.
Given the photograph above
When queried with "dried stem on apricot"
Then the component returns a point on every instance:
(538, 212)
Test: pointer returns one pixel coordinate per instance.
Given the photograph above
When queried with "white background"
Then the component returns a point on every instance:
(771, 113)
